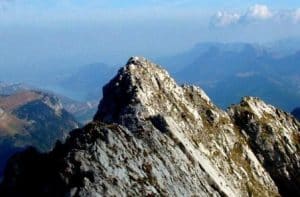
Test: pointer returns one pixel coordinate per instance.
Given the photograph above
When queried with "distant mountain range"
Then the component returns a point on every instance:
(228, 71)
(79, 82)
(83, 111)
(31, 118)
(87, 81)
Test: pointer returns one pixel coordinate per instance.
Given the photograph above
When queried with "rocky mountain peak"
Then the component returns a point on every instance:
(145, 99)
(143, 89)
(154, 137)
(137, 80)
(52, 102)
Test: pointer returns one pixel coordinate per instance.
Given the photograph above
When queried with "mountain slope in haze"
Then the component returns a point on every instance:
(82, 111)
(231, 89)
(284, 47)
(86, 80)
(12, 88)
(296, 113)
(151, 136)
(82, 85)
(181, 60)
(31, 118)
(227, 71)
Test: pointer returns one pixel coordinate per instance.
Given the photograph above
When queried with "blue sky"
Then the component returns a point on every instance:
(68, 32)
(14, 11)
(200, 4)
(187, 3)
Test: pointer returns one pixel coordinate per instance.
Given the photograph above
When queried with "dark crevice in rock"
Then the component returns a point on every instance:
(160, 123)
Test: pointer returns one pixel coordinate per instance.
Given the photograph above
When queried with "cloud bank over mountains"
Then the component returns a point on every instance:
(260, 12)
(255, 14)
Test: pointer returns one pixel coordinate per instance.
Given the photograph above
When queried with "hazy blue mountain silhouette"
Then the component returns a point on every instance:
(228, 71)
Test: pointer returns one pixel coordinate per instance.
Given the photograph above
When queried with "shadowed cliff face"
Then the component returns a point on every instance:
(31, 118)
(151, 136)
(274, 137)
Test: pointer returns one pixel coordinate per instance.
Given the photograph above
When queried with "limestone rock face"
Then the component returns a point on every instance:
(145, 99)
(274, 137)
(152, 137)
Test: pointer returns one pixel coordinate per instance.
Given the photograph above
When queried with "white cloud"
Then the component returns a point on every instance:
(222, 19)
(255, 13)
(287, 16)
(296, 16)
(260, 12)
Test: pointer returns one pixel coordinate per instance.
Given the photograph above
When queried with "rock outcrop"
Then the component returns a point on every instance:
(274, 137)
(152, 137)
